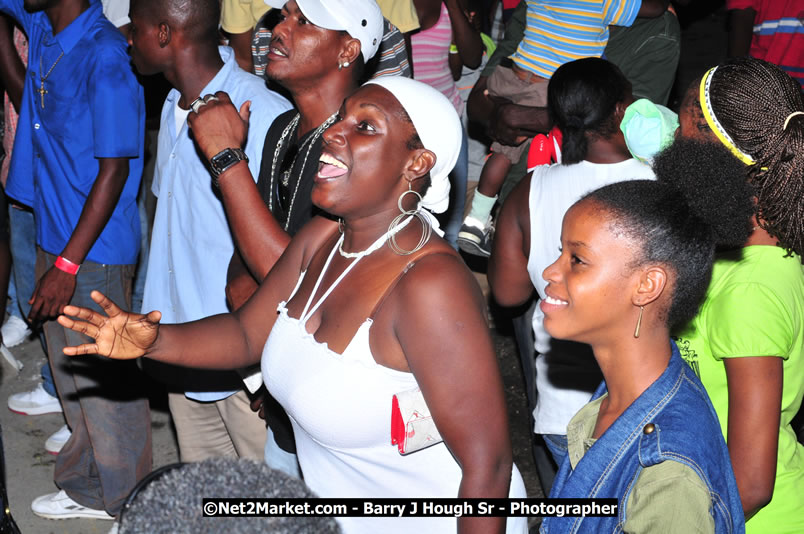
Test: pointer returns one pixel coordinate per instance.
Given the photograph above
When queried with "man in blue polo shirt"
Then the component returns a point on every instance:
(77, 161)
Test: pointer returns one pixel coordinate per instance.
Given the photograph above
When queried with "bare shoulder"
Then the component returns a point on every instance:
(437, 278)
(311, 237)
(517, 203)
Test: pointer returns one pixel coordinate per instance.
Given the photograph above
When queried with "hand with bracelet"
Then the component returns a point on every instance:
(54, 290)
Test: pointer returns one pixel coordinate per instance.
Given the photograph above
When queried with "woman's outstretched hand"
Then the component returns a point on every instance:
(118, 334)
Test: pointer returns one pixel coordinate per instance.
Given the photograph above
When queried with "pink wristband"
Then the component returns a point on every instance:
(63, 264)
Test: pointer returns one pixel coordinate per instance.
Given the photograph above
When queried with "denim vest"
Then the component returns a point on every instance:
(672, 420)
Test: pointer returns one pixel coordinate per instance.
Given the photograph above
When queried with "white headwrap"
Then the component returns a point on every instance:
(439, 128)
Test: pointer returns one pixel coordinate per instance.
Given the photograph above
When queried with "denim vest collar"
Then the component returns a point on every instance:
(671, 420)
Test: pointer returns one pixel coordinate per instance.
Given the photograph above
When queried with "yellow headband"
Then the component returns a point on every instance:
(711, 120)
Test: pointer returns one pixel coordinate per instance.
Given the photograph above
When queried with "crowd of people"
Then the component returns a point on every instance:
(303, 281)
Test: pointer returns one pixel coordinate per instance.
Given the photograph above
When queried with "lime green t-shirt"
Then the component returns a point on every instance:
(754, 306)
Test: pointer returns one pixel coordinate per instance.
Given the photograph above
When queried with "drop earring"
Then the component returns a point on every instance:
(639, 321)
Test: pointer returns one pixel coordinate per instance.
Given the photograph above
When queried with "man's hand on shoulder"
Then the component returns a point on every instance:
(217, 125)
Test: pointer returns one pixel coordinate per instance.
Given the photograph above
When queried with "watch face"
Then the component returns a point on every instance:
(225, 159)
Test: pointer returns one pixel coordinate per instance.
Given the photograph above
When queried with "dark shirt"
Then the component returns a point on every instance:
(294, 199)
(282, 204)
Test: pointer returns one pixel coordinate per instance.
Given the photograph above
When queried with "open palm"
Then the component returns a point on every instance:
(118, 334)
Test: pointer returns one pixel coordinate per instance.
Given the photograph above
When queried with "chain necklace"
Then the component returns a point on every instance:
(289, 130)
(42, 91)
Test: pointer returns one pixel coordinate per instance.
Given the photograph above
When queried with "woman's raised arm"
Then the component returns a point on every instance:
(240, 336)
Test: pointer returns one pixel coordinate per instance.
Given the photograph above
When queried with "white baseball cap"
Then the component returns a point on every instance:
(362, 19)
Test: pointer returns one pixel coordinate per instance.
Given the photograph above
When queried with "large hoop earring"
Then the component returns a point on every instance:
(639, 321)
(427, 230)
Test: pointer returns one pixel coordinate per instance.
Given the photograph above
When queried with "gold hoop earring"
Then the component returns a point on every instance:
(427, 230)
(639, 321)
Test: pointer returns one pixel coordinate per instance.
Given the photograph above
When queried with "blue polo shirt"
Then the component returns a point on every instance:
(191, 243)
(93, 108)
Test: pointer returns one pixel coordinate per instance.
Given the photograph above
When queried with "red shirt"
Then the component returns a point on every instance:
(778, 33)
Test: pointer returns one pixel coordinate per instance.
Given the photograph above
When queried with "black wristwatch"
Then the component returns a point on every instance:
(225, 159)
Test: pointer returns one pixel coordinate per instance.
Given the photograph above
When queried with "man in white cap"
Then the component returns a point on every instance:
(317, 52)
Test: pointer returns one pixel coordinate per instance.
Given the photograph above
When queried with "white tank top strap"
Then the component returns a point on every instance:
(305, 314)
(281, 306)
(308, 311)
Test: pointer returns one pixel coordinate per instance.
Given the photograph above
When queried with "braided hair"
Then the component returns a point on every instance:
(582, 98)
(752, 99)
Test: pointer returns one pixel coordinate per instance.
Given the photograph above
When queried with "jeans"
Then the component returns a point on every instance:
(109, 450)
(23, 260)
(23, 254)
(278, 458)
(557, 445)
(457, 194)
(13, 307)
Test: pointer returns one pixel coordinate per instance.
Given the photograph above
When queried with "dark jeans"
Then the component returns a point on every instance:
(104, 405)
(23, 260)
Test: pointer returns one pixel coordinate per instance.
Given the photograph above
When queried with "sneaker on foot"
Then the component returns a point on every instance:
(475, 237)
(60, 506)
(14, 331)
(57, 440)
(35, 402)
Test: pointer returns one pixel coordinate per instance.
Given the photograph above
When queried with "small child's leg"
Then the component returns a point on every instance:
(476, 233)
(491, 179)
(493, 174)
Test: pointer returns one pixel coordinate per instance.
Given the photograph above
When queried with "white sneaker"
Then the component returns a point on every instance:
(57, 440)
(60, 506)
(14, 331)
(35, 402)
(13, 361)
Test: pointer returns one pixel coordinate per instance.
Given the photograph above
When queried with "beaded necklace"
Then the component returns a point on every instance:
(290, 130)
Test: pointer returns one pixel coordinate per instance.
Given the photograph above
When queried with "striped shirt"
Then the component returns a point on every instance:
(778, 33)
(560, 31)
(431, 58)
(392, 54)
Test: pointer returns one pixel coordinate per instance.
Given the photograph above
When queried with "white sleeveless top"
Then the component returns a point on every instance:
(340, 408)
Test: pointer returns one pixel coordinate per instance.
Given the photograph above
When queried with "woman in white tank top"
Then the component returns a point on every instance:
(359, 320)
